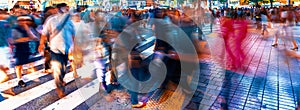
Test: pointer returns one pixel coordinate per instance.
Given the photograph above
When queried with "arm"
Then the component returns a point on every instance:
(42, 43)
(30, 33)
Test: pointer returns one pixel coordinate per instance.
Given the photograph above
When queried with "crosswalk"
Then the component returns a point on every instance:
(40, 90)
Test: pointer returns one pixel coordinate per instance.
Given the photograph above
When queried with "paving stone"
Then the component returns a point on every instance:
(285, 107)
(270, 102)
(270, 99)
(238, 101)
(192, 106)
(251, 107)
(212, 87)
(204, 107)
(236, 106)
(196, 99)
(214, 92)
(282, 103)
(207, 96)
(207, 102)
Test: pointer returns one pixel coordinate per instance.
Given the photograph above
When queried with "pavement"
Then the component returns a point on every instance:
(270, 81)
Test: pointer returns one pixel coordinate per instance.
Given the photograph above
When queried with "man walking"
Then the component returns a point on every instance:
(60, 30)
(5, 50)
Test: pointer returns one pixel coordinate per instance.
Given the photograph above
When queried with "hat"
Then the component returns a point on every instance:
(25, 18)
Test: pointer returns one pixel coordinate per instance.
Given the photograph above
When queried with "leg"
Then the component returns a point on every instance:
(58, 65)
(229, 51)
(100, 66)
(3, 75)
(276, 38)
(73, 66)
(47, 61)
(4, 64)
(19, 75)
(226, 90)
(295, 45)
(137, 73)
(19, 71)
(31, 69)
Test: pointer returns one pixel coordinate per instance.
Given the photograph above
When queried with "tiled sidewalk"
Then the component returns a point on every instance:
(270, 80)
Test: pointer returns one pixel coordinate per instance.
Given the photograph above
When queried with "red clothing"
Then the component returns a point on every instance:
(233, 32)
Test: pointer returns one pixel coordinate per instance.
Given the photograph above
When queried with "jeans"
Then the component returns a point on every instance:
(138, 74)
(1, 98)
(59, 64)
(101, 66)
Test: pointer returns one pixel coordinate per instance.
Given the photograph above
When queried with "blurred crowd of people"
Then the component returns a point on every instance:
(64, 36)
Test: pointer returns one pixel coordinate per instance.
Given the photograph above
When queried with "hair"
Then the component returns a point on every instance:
(61, 5)
(16, 6)
(48, 8)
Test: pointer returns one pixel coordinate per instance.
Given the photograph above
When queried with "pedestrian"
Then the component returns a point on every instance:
(5, 44)
(22, 35)
(60, 30)
(258, 19)
(285, 31)
(227, 33)
(125, 42)
(101, 61)
(5, 48)
(264, 20)
(49, 11)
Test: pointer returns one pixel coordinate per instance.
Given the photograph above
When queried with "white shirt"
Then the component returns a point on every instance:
(264, 18)
(284, 14)
(61, 42)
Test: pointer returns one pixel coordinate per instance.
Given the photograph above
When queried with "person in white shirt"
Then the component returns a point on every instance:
(61, 32)
(264, 19)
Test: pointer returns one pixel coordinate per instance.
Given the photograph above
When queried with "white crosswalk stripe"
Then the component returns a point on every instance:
(24, 97)
(75, 98)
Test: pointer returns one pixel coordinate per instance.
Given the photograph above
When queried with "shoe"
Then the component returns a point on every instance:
(63, 83)
(75, 76)
(274, 45)
(111, 87)
(60, 93)
(22, 83)
(295, 48)
(49, 71)
(139, 105)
